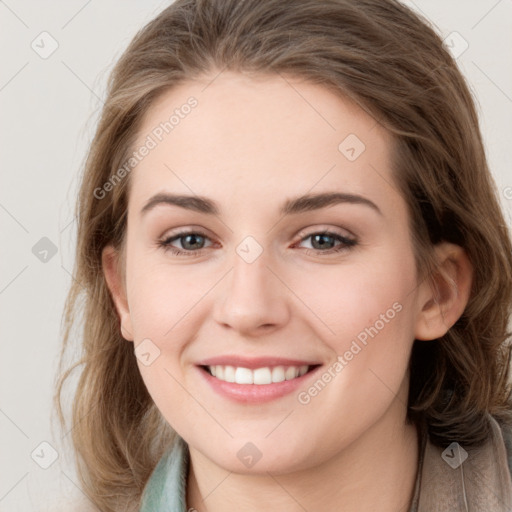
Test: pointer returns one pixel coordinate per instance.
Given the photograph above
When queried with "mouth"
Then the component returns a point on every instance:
(255, 380)
(262, 376)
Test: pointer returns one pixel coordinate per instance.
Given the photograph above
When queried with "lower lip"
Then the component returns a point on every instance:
(255, 393)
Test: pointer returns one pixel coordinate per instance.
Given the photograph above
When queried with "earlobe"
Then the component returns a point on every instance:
(442, 304)
(113, 277)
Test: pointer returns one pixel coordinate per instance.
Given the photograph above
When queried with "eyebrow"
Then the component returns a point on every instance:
(301, 204)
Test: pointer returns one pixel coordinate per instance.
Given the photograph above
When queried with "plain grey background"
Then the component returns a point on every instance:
(55, 61)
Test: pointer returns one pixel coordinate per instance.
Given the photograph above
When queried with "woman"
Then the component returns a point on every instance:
(297, 275)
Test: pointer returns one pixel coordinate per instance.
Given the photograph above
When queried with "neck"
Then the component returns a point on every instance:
(376, 472)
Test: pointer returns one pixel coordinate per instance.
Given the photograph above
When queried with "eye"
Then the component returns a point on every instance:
(192, 243)
(324, 242)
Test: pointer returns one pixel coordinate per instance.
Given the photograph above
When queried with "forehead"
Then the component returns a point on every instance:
(248, 135)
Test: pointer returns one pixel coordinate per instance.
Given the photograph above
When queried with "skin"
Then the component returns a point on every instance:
(250, 144)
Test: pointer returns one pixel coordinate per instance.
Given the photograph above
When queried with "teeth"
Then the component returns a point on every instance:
(278, 374)
(303, 370)
(259, 376)
(291, 373)
(229, 374)
(262, 376)
(243, 376)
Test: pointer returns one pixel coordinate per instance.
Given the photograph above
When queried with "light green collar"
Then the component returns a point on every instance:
(166, 488)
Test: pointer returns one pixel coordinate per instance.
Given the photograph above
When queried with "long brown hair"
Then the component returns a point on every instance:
(394, 65)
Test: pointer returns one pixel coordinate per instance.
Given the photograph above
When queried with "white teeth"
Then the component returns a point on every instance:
(229, 374)
(291, 372)
(243, 376)
(262, 376)
(259, 376)
(278, 374)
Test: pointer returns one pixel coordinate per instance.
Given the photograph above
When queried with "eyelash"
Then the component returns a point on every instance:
(346, 243)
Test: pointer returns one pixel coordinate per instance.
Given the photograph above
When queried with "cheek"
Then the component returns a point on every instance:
(370, 309)
(161, 297)
(374, 330)
(160, 309)
(364, 300)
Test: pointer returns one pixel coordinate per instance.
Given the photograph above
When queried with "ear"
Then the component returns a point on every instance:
(442, 304)
(114, 277)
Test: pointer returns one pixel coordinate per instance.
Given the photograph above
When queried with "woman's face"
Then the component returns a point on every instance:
(294, 252)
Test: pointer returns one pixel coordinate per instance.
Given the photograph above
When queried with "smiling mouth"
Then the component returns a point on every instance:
(259, 376)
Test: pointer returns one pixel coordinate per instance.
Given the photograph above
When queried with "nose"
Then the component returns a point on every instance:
(252, 301)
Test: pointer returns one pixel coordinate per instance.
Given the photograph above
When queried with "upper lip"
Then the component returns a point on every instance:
(254, 362)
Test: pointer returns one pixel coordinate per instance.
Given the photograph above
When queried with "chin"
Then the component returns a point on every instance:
(261, 456)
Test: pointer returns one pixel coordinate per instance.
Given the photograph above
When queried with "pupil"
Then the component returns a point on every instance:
(322, 243)
(193, 237)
